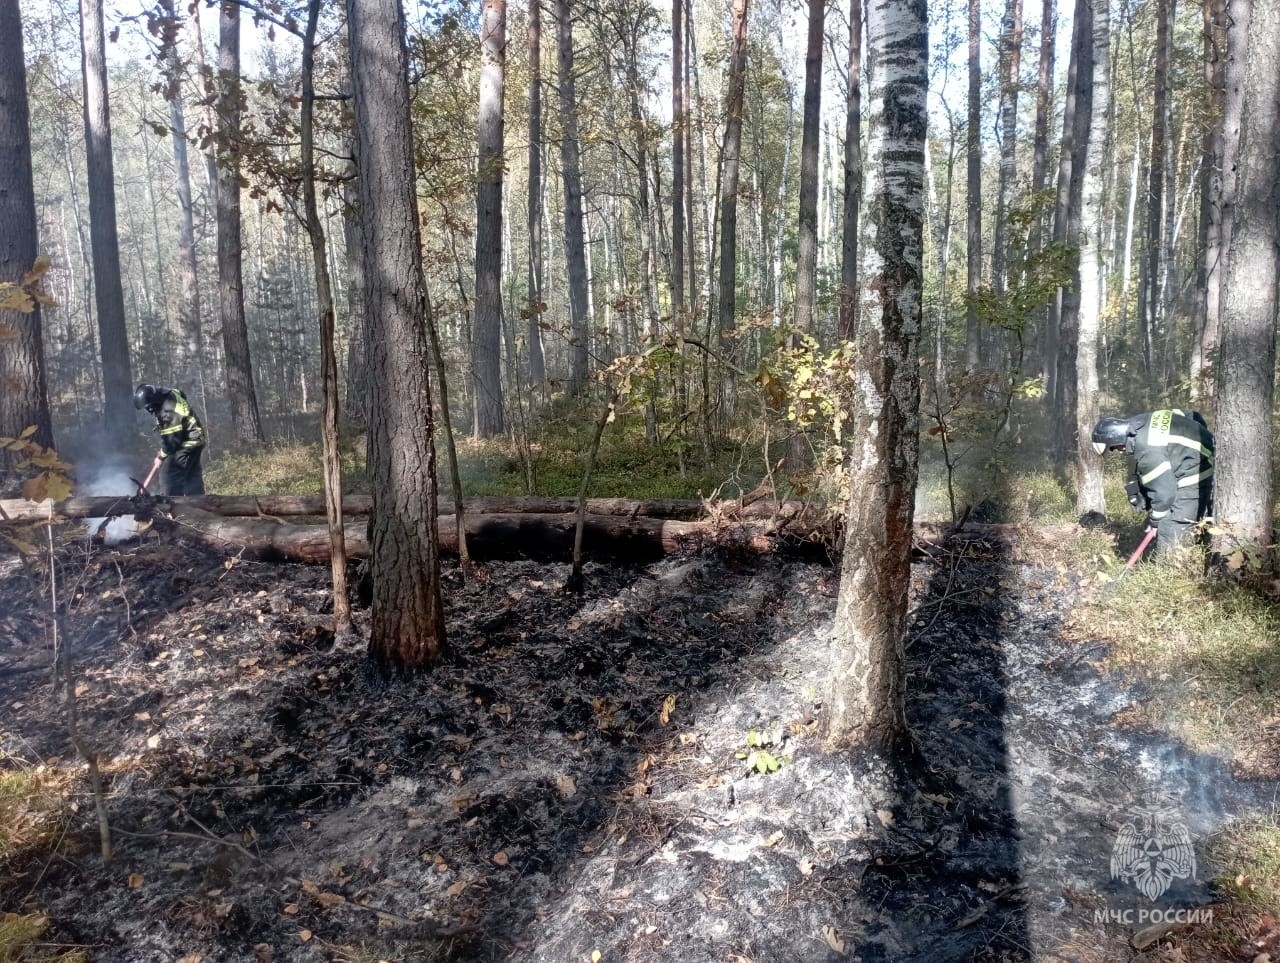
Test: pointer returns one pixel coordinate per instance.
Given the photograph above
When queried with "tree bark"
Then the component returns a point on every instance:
(246, 423)
(113, 335)
(730, 156)
(486, 331)
(973, 190)
(1089, 492)
(1010, 63)
(24, 402)
(537, 359)
(1149, 311)
(811, 115)
(1244, 496)
(328, 353)
(407, 626)
(571, 174)
(847, 323)
(866, 692)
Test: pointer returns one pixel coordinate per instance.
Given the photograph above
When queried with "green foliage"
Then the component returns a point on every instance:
(1249, 854)
(48, 477)
(757, 755)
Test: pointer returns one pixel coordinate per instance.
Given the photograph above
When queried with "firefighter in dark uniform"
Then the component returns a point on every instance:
(181, 437)
(1171, 475)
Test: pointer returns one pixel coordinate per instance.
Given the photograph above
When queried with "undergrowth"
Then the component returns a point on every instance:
(18, 941)
(1251, 848)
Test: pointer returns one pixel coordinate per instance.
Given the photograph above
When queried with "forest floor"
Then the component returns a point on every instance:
(573, 783)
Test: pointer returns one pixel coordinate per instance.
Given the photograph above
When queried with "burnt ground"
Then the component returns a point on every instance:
(572, 780)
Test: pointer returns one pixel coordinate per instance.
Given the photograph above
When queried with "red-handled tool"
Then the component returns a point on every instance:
(1137, 554)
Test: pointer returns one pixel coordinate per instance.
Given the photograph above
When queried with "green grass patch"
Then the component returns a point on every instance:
(1211, 645)
(286, 468)
(1248, 853)
(27, 802)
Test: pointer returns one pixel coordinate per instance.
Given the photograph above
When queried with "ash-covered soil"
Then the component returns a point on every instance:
(575, 778)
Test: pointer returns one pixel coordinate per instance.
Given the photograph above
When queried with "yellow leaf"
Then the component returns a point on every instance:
(28, 431)
(501, 858)
(36, 489)
(304, 935)
(58, 487)
(595, 956)
(13, 298)
(38, 270)
(135, 880)
(668, 707)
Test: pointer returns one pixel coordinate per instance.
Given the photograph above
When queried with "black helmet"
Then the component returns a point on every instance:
(1110, 433)
(146, 396)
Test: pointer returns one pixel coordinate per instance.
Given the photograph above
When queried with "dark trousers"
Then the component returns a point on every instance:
(182, 475)
(1191, 505)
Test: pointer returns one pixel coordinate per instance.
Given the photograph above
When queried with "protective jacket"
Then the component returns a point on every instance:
(1172, 453)
(180, 429)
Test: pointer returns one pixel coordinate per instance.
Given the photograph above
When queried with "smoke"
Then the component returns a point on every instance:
(108, 476)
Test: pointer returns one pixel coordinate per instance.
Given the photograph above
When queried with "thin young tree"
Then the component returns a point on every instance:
(852, 178)
(24, 402)
(246, 422)
(865, 701)
(571, 174)
(117, 377)
(332, 456)
(408, 628)
(1244, 496)
(486, 331)
(1089, 493)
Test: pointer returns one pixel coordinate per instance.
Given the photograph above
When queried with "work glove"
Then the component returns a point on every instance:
(1153, 520)
(1134, 492)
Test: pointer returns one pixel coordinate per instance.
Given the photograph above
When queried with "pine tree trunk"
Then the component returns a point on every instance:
(24, 402)
(533, 336)
(807, 235)
(117, 378)
(407, 626)
(486, 332)
(246, 423)
(1214, 198)
(571, 172)
(865, 698)
(1089, 493)
(847, 324)
(973, 190)
(729, 180)
(1244, 496)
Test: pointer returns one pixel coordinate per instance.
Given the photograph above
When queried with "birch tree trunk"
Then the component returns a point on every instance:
(729, 181)
(117, 378)
(407, 629)
(1089, 493)
(25, 399)
(1244, 496)
(486, 332)
(1010, 63)
(865, 698)
(973, 190)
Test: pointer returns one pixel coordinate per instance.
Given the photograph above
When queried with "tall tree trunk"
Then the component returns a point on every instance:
(847, 323)
(328, 354)
(407, 629)
(1089, 493)
(729, 181)
(246, 423)
(357, 326)
(973, 190)
(537, 360)
(1010, 63)
(677, 163)
(1244, 493)
(1038, 233)
(865, 697)
(1150, 309)
(807, 237)
(1065, 440)
(1214, 200)
(780, 208)
(24, 402)
(571, 173)
(1062, 205)
(486, 332)
(117, 378)
(191, 356)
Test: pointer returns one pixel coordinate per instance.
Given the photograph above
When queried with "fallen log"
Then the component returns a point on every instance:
(289, 506)
(502, 535)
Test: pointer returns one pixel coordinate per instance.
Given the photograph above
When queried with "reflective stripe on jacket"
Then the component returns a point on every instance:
(177, 424)
(1172, 451)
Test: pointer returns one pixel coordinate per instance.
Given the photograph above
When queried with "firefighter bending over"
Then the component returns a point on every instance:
(181, 437)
